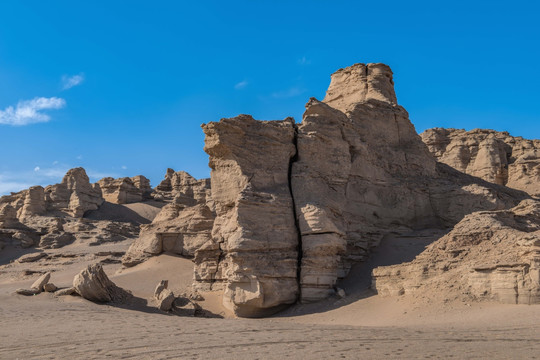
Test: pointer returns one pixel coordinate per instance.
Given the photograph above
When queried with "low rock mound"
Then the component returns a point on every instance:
(488, 255)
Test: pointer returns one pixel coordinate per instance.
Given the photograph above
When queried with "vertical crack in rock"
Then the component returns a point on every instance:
(255, 222)
(296, 224)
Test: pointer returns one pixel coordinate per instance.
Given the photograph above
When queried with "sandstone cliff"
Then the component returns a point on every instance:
(297, 204)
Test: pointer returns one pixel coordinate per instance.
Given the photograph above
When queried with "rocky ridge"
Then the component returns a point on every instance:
(491, 155)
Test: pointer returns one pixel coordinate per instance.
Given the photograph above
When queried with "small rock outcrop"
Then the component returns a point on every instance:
(93, 284)
(182, 226)
(491, 255)
(75, 195)
(491, 155)
(125, 190)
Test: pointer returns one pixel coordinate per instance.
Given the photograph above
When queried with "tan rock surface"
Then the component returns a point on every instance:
(488, 255)
(74, 195)
(125, 190)
(93, 284)
(254, 228)
(490, 155)
(182, 226)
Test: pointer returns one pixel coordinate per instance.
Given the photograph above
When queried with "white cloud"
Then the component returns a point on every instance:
(36, 168)
(292, 92)
(79, 157)
(303, 61)
(124, 167)
(241, 85)
(70, 81)
(28, 111)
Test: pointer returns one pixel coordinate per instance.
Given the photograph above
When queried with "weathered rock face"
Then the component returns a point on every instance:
(254, 229)
(488, 255)
(359, 83)
(53, 217)
(74, 195)
(182, 226)
(181, 184)
(360, 171)
(125, 190)
(361, 168)
(93, 284)
(34, 202)
(493, 156)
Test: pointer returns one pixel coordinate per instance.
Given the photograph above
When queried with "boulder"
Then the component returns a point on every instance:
(49, 287)
(66, 291)
(163, 296)
(184, 307)
(28, 292)
(93, 284)
(41, 281)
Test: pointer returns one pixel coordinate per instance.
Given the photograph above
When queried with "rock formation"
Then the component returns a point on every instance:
(182, 226)
(93, 284)
(493, 156)
(74, 195)
(255, 224)
(296, 205)
(54, 217)
(125, 190)
(488, 255)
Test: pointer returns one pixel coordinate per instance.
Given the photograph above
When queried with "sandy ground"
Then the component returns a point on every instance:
(361, 325)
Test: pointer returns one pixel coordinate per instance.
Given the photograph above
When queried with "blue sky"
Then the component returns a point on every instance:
(121, 88)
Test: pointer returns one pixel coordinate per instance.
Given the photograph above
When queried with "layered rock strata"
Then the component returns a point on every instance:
(493, 156)
(488, 255)
(125, 190)
(360, 171)
(54, 217)
(75, 195)
(254, 233)
(182, 226)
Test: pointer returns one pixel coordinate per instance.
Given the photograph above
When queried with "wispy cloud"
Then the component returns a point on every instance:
(303, 61)
(291, 92)
(70, 81)
(28, 111)
(241, 85)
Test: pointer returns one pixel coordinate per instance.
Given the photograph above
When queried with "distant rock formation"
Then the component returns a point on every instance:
(54, 217)
(125, 190)
(493, 156)
(182, 226)
(74, 195)
(488, 255)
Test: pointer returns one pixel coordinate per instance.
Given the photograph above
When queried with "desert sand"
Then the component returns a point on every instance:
(361, 325)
